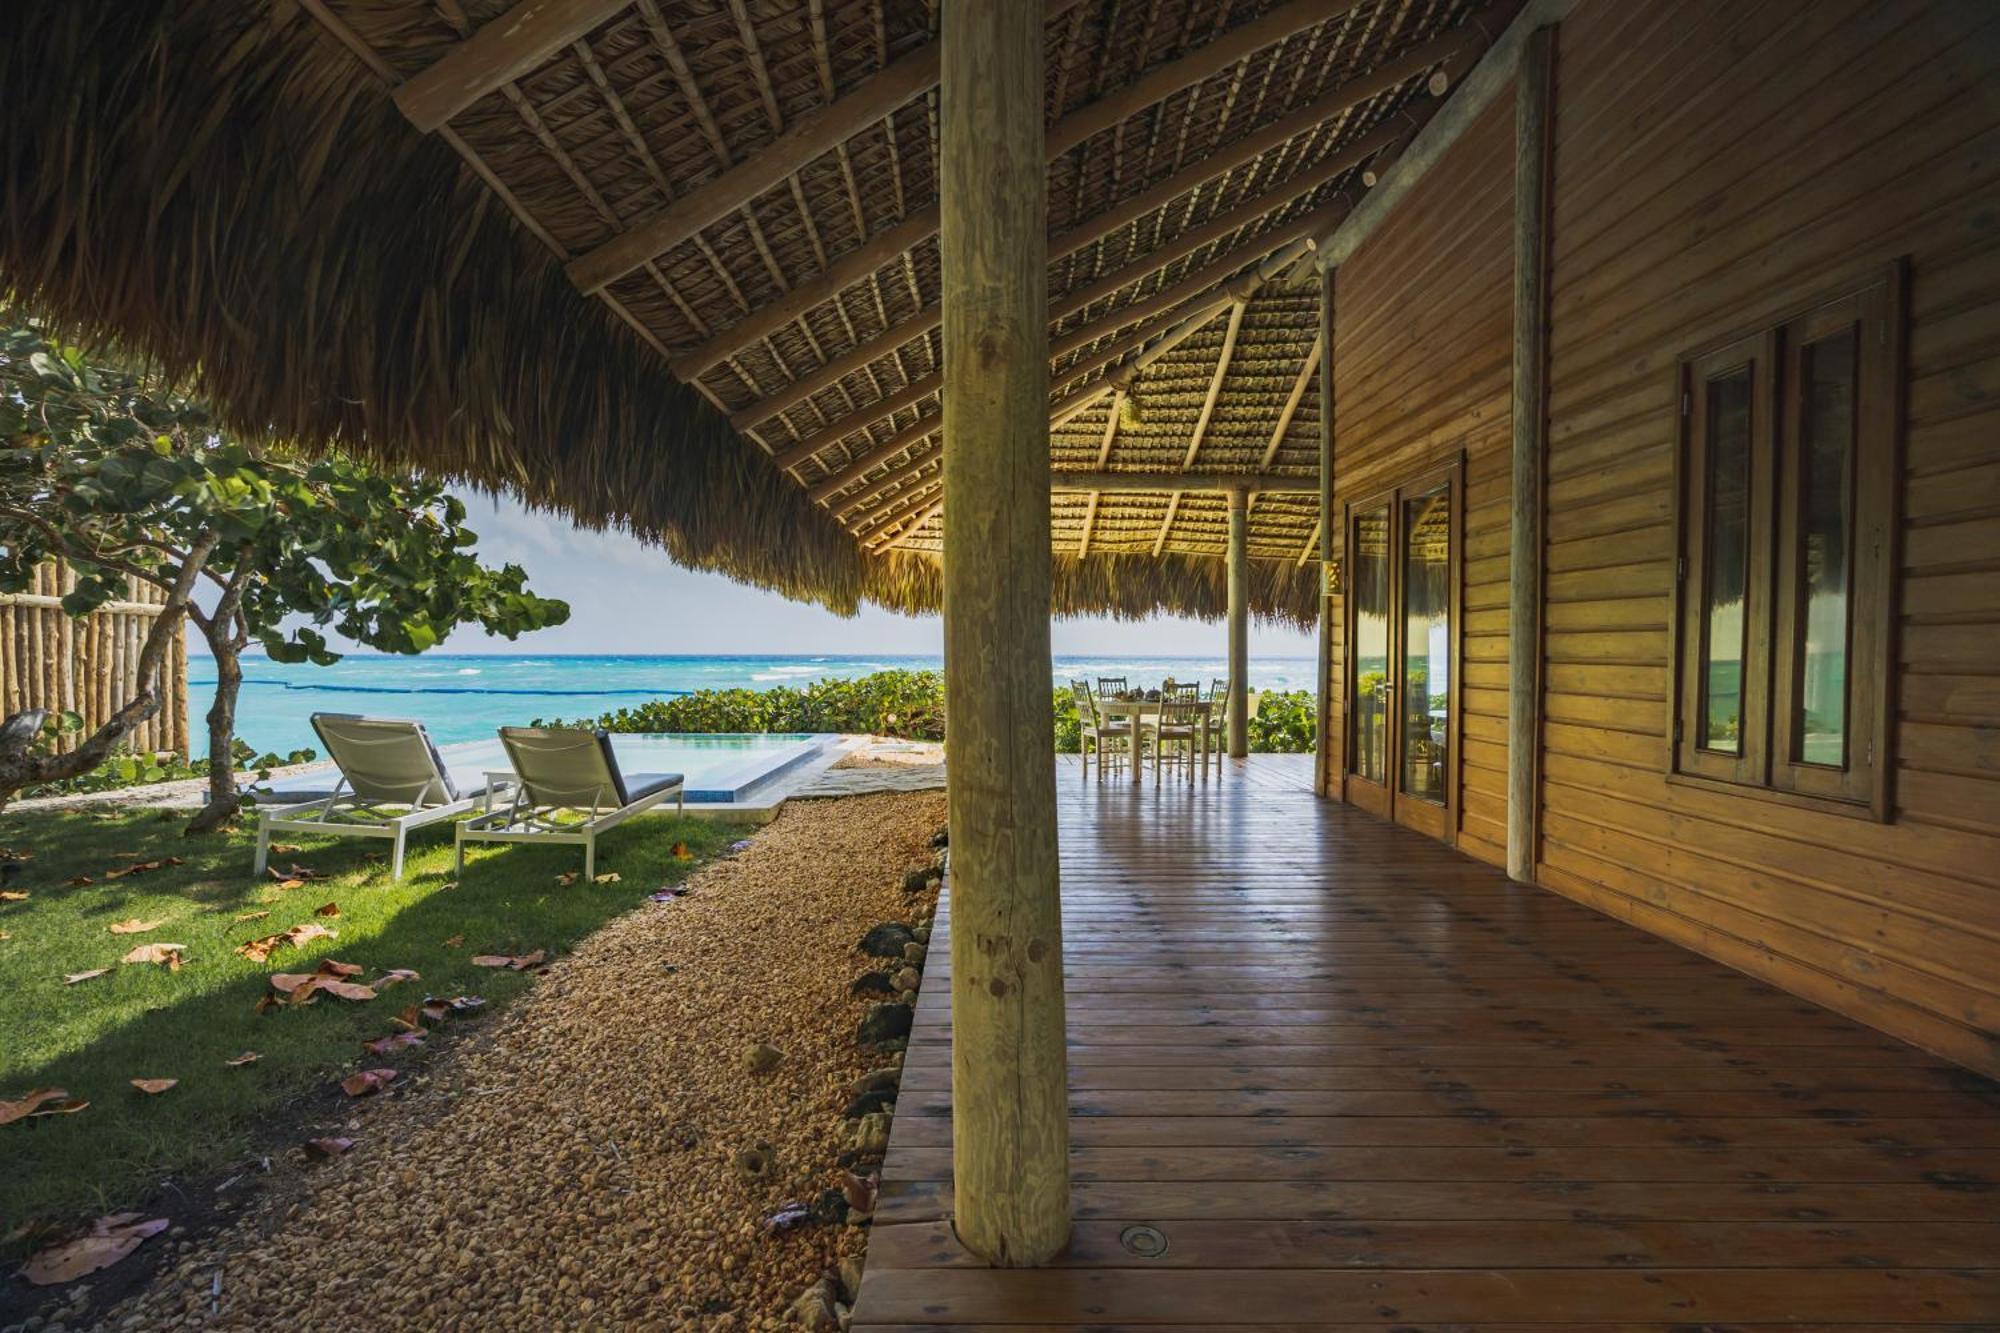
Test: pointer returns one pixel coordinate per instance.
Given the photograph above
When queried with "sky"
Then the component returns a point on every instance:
(626, 597)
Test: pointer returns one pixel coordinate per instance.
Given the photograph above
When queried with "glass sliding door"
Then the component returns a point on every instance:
(1368, 661)
(1402, 659)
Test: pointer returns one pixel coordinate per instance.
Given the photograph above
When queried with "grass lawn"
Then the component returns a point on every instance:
(144, 1021)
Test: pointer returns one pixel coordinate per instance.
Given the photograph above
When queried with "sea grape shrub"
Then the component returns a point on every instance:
(909, 704)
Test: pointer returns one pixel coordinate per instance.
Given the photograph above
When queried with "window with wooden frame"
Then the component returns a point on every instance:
(1787, 512)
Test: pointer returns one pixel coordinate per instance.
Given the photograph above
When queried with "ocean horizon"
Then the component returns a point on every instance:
(465, 696)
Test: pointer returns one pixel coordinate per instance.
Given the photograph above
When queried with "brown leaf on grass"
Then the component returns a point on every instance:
(568, 877)
(266, 1003)
(108, 1240)
(365, 1081)
(302, 987)
(333, 967)
(260, 950)
(513, 963)
(5, 936)
(394, 975)
(12, 896)
(140, 868)
(153, 1087)
(167, 954)
(23, 1107)
(247, 1058)
(681, 852)
(448, 884)
(608, 877)
(411, 1019)
(454, 941)
(291, 884)
(252, 916)
(134, 926)
(327, 909)
(72, 978)
(297, 872)
(394, 1042)
(325, 1148)
(346, 990)
(79, 881)
(285, 849)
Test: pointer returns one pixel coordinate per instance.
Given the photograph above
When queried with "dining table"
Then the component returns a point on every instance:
(1139, 711)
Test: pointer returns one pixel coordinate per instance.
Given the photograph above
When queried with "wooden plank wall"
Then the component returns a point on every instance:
(1422, 355)
(50, 660)
(1715, 161)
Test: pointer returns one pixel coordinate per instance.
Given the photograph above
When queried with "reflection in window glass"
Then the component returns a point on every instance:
(1426, 643)
(1369, 581)
(1827, 383)
(1726, 521)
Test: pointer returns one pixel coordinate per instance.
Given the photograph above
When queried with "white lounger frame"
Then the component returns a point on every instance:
(522, 822)
(349, 816)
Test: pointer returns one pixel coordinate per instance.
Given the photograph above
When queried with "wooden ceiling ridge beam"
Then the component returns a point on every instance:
(498, 53)
(914, 525)
(1205, 482)
(922, 225)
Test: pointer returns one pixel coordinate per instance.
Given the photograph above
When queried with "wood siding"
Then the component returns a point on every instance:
(1717, 164)
(1422, 355)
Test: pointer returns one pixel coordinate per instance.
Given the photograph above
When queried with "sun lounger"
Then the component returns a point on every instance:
(567, 789)
(391, 780)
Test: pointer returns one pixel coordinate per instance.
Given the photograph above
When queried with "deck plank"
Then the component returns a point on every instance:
(1359, 1080)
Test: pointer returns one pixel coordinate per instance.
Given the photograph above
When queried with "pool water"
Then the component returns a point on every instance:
(723, 767)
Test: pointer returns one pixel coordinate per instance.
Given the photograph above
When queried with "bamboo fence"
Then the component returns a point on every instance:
(51, 660)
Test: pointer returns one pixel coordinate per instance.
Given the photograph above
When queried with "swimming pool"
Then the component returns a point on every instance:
(718, 768)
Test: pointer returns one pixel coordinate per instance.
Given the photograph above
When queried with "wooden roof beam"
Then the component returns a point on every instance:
(1215, 271)
(873, 99)
(500, 52)
(1201, 422)
(922, 225)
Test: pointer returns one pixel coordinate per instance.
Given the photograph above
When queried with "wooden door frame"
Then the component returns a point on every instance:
(1438, 821)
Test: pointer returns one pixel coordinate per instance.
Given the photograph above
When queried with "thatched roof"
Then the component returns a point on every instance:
(671, 265)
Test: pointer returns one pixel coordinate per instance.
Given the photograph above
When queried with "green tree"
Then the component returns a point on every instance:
(120, 477)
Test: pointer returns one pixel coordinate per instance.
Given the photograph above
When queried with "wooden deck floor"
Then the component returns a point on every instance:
(1354, 1079)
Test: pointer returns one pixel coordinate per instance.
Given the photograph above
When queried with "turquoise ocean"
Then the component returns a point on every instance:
(462, 697)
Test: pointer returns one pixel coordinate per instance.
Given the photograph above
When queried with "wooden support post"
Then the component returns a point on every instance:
(1325, 762)
(1532, 104)
(1009, 1103)
(1239, 624)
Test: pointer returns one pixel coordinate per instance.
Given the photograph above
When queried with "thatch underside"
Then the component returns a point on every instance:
(229, 188)
(212, 185)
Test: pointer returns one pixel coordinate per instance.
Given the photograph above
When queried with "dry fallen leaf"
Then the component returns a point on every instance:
(12, 896)
(448, 884)
(5, 936)
(134, 926)
(168, 954)
(252, 916)
(394, 975)
(568, 877)
(681, 852)
(332, 1147)
(392, 1043)
(260, 950)
(608, 877)
(154, 1086)
(297, 872)
(291, 884)
(247, 1058)
(366, 1081)
(109, 1240)
(454, 941)
(79, 881)
(23, 1107)
(512, 963)
(411, 1018)
(141, 868)
(327, 909)
(285, 849)
(71, 978)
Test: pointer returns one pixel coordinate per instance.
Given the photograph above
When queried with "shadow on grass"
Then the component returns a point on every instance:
(144, 1021)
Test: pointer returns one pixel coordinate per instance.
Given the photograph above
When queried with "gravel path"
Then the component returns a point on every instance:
(573, 1166)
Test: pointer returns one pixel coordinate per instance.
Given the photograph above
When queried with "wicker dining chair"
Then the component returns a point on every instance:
(1096, 730)
(1180, 724)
